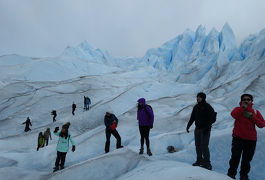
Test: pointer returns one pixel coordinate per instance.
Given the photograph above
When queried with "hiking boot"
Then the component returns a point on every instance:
(56, 168)
(207, 166)
(231, 176)
(61, 167)
(244, 177)
(119, 147)
(141, 150)
(197, 163)
(149, 152)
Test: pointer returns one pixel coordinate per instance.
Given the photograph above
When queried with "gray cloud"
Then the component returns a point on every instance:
(122, 27)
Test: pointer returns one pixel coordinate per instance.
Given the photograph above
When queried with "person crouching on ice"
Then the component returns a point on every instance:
(63, 145)
(111, 122)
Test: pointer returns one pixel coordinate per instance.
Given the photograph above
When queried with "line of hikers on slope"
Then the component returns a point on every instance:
(244, 132)
(87, 102)
(243, 142)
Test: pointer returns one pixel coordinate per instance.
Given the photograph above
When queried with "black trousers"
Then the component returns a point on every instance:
(54, 116)
(60, 158)
(202, 138)
(116, 135)
(144, 132)
(244, 148)
(73, 111)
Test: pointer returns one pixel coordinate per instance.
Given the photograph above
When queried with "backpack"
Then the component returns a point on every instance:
(41, 141)
(149, 117)
(113, 126)
(214, 117)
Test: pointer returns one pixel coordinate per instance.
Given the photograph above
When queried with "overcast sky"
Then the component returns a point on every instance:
(42, 28)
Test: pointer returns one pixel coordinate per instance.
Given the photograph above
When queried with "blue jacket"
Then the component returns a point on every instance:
(63, 144)
(145, 115)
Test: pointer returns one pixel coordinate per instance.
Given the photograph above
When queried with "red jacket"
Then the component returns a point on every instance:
(244, 127)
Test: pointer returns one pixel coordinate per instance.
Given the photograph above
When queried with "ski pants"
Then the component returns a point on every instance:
(116, 135)
(60, 158)
(244, 148)
(202, 138)
(144, 132)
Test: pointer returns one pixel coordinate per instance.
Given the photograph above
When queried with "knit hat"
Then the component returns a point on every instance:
(248, 95)
(66, 126)
(202, 95)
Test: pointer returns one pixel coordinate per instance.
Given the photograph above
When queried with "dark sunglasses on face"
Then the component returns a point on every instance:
(246, 99)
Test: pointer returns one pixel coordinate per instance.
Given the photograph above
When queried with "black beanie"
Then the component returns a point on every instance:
(202, 95)
(248, 95)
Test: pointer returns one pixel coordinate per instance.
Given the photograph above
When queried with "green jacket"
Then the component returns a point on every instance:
(41, 141)
(63, 144)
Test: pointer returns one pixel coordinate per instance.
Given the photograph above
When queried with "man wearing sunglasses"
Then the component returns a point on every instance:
(244, 136)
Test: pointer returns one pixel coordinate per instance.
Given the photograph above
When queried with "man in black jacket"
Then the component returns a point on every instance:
(111, 122)
(203, 114)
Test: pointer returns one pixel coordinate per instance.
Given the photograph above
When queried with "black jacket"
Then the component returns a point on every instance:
(203, 114)
(108, 120)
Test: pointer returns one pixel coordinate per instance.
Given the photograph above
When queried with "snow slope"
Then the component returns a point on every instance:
(168, 77)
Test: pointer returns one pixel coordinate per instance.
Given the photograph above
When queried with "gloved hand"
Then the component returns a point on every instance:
(73, 148)
(56, 129)
(248, 114)
(151, 127)
(244, 104)
(187, 129)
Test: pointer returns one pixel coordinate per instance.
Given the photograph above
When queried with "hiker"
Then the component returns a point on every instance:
(40, 141)
(73, 108)
(145, 117)
(47, 134)
(28, 123)
(63, 145)
(244, 136)
(111, 122)
(54, 115)
(204, 116)
(88, 102)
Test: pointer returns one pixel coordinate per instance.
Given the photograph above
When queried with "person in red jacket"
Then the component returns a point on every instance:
(244, 136)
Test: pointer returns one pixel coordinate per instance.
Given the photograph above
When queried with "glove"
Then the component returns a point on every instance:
(73, 148)
(56, 129)
(244, 104)
(187, 129)
(248, 114)
(151, 127)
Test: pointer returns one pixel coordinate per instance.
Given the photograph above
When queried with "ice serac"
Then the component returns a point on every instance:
(87, 52)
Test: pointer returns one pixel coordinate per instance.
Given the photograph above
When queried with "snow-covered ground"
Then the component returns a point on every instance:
(33, 87)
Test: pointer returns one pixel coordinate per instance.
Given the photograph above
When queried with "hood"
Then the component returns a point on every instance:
(141, 100)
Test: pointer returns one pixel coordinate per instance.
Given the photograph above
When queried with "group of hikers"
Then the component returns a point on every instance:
(243, 142)
(87, 102)
(244, 136)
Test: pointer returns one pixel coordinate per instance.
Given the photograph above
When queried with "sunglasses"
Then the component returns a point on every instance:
(246, 99)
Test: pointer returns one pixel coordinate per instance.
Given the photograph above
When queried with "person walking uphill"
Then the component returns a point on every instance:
(28, 123)
(47, 135)
(204, 116)
(63, 145)
(54, 115)
(40, 141)
(145, 117)
(244, 136)
(73, 108)
(111, 122)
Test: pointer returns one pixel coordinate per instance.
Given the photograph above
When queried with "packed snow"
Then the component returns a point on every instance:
(168, 77)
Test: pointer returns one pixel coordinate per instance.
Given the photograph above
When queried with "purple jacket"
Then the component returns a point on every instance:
(142, 116)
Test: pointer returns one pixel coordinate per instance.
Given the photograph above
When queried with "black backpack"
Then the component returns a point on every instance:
(214, 117)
